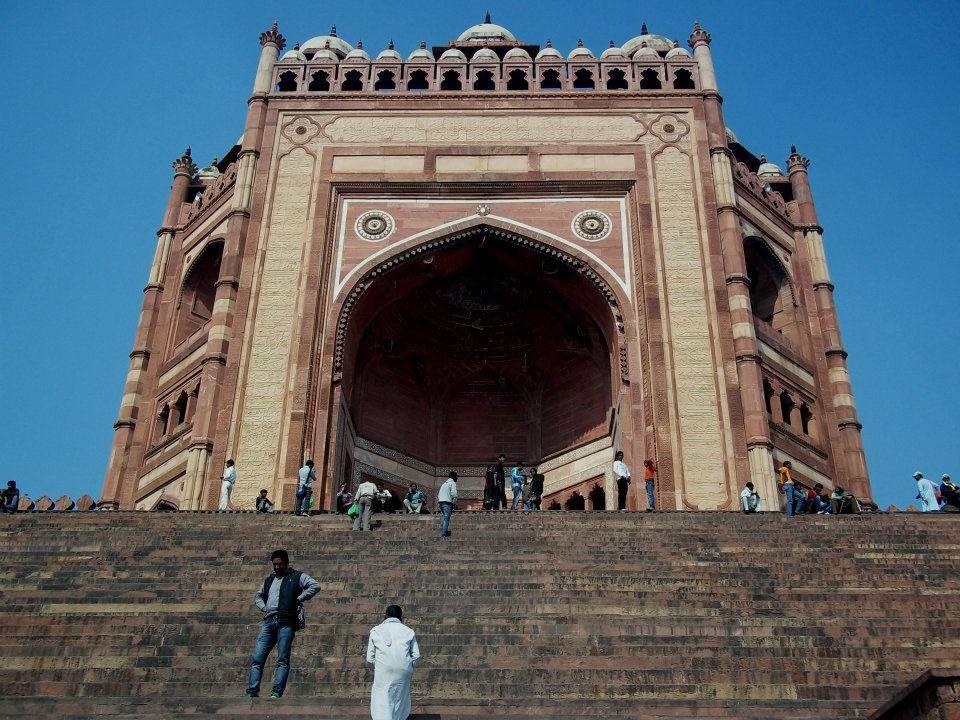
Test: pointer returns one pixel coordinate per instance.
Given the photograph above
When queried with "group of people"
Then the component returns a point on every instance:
(526, 485)
(392, 649)
(944, 498)
(10, 497)
(815, 500)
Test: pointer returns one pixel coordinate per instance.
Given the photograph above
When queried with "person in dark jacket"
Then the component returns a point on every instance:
(10, 497)
(500, 475)
(536, 488)
(280, 599)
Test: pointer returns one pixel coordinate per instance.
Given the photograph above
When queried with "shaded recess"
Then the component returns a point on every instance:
(480, 348)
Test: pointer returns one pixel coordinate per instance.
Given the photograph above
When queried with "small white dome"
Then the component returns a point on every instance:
(487, 30)
(390, 54)
(768, 168)
(517, 54)
(580, 52)
(420, 54)
(294, 55)
(657, 42)
(453, 55)
(339, 46)
(358, 54)
(612, 52)
(549, 52)
(677, 51)
(485, 54)
(646, 53)
(326, 55)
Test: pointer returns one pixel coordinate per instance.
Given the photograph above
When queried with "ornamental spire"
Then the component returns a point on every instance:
(487, 18)
(184, 165)
(273, 36)
(699, 36)
(643, 29)
(796, 161)
(333, 31)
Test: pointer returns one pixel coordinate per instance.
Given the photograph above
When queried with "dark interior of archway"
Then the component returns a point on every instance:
(479, 349)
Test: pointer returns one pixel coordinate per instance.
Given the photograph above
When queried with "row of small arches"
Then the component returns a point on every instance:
(451, 80)
(793, 414)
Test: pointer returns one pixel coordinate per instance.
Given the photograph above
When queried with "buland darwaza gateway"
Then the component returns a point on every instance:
(410, 265)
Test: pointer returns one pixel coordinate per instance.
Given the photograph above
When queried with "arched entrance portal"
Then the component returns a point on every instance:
(485, 344)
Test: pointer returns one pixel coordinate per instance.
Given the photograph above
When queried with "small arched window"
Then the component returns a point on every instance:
(583, 80)
(650, 80)
(616, 79)
(163, 421)
(768, 393)
(518, 80)
(199, 292)
(288, 82)
(550, 80)
(451, 81)
(319, 82)
(683, 80)
(418, 80)
(385, 81)
(352, 81)
(806, 419)
(786, 407)
(180, 409)
(484, 81)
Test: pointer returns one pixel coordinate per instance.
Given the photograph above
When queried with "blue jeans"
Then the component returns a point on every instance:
(517, 493)
(447, 509)
(271, 634)
(303, 501)
(650, 489)
(795, 499)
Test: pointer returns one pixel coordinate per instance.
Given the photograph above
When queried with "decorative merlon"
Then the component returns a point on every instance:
(699, 36)
(796, 161)
(273, 36)
(184, 165)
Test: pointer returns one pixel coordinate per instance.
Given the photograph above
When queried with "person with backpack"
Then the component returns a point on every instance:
(393, 653)
(281, 600)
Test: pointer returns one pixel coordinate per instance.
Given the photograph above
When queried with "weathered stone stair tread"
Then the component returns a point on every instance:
(610, 615)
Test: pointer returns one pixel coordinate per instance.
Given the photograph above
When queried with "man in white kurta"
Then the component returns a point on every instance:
(393, 652)
(926, 493)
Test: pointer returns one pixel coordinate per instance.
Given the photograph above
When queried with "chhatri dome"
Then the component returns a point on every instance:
(657, 42)
(330, 42)
(487, 30)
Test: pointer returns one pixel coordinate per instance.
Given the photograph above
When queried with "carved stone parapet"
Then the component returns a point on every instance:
(699, 36)
(797, 162)
(835, 350)
(273, 36)
(184, 165)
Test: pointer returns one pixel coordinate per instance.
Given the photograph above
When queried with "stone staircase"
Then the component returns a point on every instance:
(520, 615)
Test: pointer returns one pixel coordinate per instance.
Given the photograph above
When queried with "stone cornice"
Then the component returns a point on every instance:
(121, 423)
(615, 188)
(233, 282)
(810, 227)
(140, 352)
(153, 287)
(722, 150)
(845, 424)
(825, 284)
(744, 356)
(834, 351)
(759, 441)
(738, 278)
(485, 95)
(217, 358)
(166, 229)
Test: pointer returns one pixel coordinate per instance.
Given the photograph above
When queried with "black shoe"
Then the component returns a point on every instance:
(251, 694)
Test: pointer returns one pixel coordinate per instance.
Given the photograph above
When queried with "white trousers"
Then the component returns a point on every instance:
(225, 489)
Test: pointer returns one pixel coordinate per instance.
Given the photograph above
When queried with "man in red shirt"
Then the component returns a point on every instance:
(649, 473)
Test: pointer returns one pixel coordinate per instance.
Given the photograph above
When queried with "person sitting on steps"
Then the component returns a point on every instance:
(263, 502)
(413, 500)
(749, 499)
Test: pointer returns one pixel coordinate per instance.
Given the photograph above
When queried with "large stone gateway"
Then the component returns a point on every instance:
(407, 266)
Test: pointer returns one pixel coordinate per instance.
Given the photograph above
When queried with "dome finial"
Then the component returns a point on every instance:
(611, 44)
(643, 29)
(390, 44)
(423, 45)
(579, 43)
(297, 46)
(763, 158)
(487, 19)
(359, 44)
(549, 43)
(333, 31)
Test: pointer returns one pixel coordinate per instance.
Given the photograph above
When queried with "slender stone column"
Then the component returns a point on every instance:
(853, 470)
(746, 348)
(197, 488)
(184, 170)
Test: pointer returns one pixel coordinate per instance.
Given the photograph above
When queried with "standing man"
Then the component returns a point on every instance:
(926, 493)
(281, 601)
(622, 473)
(516, 484)
(536, 488)
(227, 480)
(501, 478)
(364, 498)
(393, 652)
(304, 489)
(446, 498)
(794, 496)
(649, 474)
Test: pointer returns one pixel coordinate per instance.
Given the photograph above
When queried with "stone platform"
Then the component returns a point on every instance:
(549, 615)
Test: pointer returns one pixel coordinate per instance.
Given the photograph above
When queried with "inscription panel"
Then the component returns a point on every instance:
(702, 458)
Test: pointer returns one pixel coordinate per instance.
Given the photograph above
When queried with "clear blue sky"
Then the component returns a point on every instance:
(102, 96)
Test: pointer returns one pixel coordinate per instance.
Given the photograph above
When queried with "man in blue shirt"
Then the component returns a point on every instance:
(516, 484)
(413, 500)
